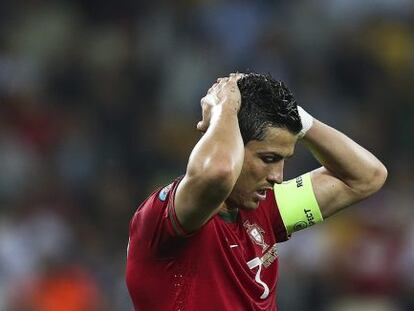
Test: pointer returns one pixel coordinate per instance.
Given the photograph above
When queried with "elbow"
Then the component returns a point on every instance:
(374, 181)
(379, 177)
(383, 176)
(218, 177)
(223, 176)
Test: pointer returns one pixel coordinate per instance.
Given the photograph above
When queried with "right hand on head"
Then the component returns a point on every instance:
(224, 92)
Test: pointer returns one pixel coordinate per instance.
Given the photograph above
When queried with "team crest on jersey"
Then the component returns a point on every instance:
(256, 234)
(164, 192)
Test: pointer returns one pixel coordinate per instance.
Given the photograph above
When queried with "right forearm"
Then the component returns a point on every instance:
(220, 152)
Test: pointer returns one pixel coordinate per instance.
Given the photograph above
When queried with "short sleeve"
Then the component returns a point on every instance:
(154, 224)
(171, 214)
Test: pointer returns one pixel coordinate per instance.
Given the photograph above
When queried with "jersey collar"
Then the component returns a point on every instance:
(229, 215)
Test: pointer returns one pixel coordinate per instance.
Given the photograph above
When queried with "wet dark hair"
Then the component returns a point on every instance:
(265, 102)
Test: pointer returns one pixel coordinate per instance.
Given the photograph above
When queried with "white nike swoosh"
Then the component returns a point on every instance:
(233, 245)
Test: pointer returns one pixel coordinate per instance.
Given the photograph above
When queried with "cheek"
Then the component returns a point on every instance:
(257, 171)
(250, 176)
(238, 195)
(243, 186)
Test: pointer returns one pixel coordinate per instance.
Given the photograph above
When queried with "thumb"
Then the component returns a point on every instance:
(201, 126)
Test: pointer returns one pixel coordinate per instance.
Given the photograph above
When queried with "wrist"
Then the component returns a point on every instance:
(222, 112)
(229, 106)
(306, 120)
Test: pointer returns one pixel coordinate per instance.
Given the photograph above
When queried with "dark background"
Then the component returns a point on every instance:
(98, 106)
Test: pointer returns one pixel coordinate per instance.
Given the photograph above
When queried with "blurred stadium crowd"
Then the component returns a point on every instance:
(98, 106)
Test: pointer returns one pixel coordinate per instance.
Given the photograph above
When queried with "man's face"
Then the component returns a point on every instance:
(262, 167)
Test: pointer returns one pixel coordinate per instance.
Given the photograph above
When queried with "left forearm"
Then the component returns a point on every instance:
(345, 159)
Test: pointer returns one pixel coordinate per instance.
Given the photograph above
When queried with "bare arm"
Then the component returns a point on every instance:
(349, 173)
(216, 161)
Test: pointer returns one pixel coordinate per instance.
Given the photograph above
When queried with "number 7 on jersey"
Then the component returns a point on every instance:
(256, 262)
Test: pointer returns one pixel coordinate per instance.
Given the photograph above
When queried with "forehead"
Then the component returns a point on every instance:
(276, 140)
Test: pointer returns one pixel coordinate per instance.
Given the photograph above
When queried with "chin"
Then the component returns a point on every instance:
(250, 206)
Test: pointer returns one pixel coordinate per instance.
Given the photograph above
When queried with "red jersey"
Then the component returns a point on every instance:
(223, 266)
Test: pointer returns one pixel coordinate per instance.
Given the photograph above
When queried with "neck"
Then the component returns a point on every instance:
(228, 212)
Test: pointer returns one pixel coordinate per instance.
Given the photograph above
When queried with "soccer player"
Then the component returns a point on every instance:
(208, 241)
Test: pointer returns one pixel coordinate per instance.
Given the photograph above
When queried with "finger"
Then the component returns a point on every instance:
(209, 99)
(202, 126)
(229, 85)
(204, 123)
(212, 88)
(221, 78)
(215, 86)
(206, 114)
(236, 75)
(221, 84)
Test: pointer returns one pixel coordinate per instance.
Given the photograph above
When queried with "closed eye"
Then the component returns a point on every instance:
(271, 159)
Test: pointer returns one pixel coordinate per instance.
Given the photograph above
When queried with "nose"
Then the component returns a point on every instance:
(275, 175)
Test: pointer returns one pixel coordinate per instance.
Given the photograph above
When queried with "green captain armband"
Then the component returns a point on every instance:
(297, 203)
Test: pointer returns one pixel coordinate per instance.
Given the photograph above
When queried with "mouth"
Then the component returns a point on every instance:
(261, 194)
